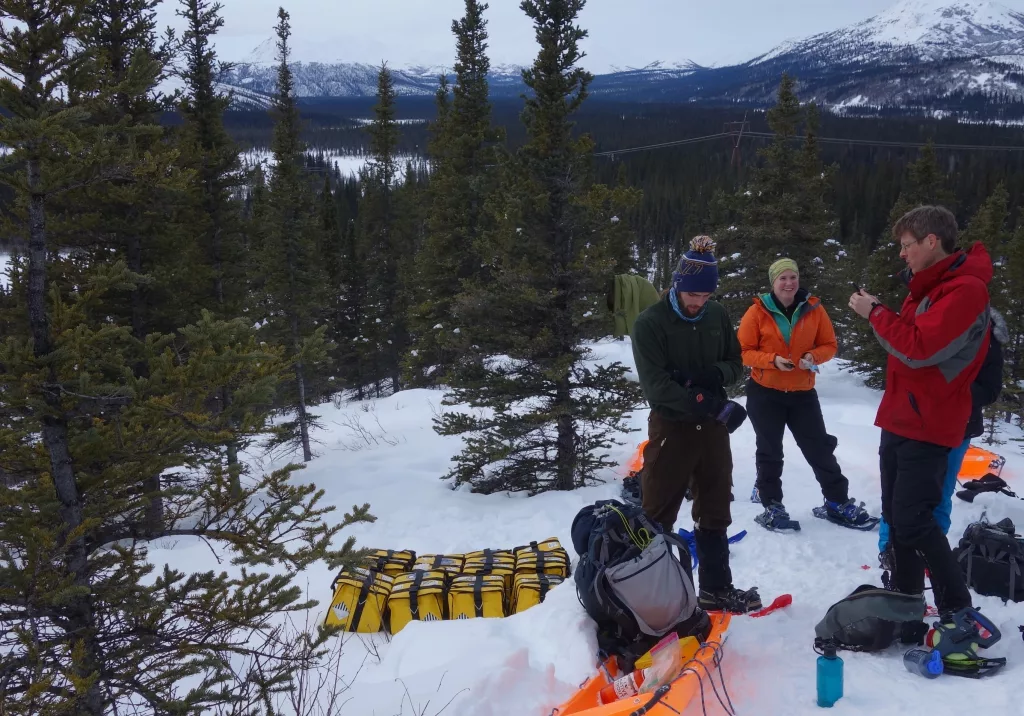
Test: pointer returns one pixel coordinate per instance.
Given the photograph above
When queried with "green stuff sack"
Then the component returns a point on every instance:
(480, 595)
(417, 596)
(868, 619)
(359, 601)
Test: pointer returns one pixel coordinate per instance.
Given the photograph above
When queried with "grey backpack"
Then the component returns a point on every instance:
(634, 580)
(868, 618)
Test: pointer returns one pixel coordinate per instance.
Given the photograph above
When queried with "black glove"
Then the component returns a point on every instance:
(710, 378)
(731, 415)
(679, 377)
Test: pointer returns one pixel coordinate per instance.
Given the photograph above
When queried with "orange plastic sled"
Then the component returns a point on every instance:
(698, 667)
(978, 463)
(636, 463)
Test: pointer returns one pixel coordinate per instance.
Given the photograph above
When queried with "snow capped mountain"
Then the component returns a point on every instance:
(949, 56)
(933, 29)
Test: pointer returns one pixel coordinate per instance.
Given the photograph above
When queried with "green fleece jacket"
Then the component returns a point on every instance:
(632, 295)
(663, 343)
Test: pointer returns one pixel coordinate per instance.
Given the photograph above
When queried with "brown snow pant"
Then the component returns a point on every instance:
(694, 455)
(681, 455)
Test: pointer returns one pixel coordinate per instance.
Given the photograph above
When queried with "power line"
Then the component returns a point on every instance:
(677, 143)
(823, 140)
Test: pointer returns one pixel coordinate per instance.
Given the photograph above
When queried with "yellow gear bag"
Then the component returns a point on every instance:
(529, 590)
(554, 562)
(359, 601)
(490, 554)
(479, 595)
(420, 596)
(450, 564)
(391, 562)
(503, 566)
(551, 544)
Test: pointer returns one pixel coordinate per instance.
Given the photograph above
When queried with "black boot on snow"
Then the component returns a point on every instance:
(730, 599)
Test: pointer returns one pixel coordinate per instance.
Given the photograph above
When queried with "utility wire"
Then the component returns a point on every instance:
(823, 140)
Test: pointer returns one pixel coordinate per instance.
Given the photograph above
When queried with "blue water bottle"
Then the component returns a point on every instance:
(830, 676)
(926, 662)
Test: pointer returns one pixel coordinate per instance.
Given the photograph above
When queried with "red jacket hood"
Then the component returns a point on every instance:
(975, 261)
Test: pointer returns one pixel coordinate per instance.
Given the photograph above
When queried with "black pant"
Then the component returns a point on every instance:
(771, 412)
(912, 476)
(698, 456)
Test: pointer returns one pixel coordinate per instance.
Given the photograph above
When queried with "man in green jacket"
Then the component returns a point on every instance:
(628, 296)
(686, 352)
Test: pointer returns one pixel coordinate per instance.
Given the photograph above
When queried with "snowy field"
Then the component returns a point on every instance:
(385, 452)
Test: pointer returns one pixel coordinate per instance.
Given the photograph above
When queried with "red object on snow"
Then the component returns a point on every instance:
(783, 600)
(864, 566)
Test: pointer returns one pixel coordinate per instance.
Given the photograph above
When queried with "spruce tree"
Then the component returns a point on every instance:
(384, 245)
(925, 184)
(1012, 281)
(551, 412)
(293, 296)
(86, 627)
(463, 152)
(783, 210)
(213, 156)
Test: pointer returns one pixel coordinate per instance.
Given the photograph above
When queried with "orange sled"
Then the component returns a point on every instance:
(636, 463)
(978, 463)
(697, 668)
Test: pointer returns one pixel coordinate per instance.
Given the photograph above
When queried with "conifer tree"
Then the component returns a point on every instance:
(925, 184)
(294, 284)
(213, 156)
(1012, 283)
(142, 220)
(85, 625)
(782, 211)
(383, 244)
(464, 153)
(548, 260)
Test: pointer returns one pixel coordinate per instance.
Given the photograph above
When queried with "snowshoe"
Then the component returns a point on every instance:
(631, 489)
(776, 519)
(957, 637)
(848, 514)
(730, 599)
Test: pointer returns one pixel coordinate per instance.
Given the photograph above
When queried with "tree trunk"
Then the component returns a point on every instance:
(565, 457)
(300, 383)
(55, 440)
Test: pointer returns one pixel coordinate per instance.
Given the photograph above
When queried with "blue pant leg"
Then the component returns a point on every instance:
(944, 511)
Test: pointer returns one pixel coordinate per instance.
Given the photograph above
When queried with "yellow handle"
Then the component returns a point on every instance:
(687, 650)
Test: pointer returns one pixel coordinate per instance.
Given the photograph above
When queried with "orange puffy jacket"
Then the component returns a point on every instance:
(765, 332)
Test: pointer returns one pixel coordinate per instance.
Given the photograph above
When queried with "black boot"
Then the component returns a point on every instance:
(713, 555)
(730, 599)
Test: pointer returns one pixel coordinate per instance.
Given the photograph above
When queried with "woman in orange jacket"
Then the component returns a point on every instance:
(785, 335)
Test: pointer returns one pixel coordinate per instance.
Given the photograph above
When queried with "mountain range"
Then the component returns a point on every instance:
(957, 57)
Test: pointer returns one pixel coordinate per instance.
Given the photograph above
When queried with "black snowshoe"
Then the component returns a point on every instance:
(776, 519)
(847, 514)
(730, 599)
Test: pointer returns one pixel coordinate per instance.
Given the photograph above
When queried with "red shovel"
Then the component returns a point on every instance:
(783, 600)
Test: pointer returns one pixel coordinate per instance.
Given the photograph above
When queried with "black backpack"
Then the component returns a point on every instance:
(991, 557)
(868, 619)
(634, 580)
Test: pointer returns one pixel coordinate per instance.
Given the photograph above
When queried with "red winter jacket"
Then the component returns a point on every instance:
(936, 345)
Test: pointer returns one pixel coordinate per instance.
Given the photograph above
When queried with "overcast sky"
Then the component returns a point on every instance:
(622, 32)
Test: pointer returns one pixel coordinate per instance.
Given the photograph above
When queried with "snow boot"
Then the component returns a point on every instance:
(776, 519)
(730, 599)
(847, 514)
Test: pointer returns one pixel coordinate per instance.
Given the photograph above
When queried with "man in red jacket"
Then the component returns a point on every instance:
(936, 345)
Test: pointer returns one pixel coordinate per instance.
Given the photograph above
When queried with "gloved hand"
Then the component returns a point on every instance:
(731, 415)
(710, 378)
(679, 377)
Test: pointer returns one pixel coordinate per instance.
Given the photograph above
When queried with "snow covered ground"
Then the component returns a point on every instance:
(385, 452)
